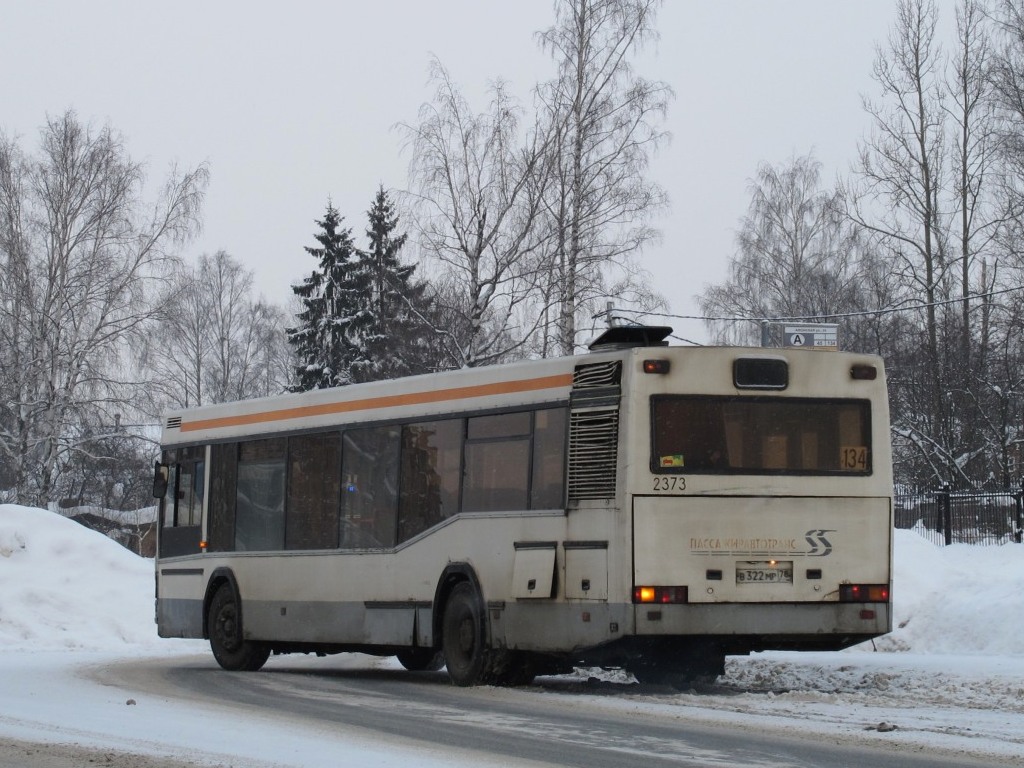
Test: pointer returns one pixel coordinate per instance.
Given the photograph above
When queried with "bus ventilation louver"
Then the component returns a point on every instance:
(593, 436)
(592, 375)
(174, 422)
(594, 430)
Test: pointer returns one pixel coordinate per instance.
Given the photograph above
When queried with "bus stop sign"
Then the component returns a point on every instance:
(816, 336)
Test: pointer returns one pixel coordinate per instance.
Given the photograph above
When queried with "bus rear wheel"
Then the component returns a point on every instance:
(463, 637)
(224, 623)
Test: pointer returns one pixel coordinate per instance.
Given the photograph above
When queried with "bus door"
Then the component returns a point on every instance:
(182, 508)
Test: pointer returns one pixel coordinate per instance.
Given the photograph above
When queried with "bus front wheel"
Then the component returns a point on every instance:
(230, 649)
(463, 637)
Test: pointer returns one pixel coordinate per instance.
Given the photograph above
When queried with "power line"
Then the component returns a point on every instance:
(821, 317)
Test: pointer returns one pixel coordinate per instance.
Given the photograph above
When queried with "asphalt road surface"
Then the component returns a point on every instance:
(546, 724)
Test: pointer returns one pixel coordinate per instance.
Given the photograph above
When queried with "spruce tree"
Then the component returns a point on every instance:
(329, 338)
(395, 339)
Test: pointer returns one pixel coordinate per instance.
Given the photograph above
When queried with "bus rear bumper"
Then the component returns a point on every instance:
(774, 625)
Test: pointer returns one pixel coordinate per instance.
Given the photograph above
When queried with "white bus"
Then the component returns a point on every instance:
(643, 507)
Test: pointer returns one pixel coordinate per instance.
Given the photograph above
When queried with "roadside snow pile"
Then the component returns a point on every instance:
(64, 586)
(959, 599)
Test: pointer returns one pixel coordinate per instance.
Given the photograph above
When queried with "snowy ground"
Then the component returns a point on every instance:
(71, 600)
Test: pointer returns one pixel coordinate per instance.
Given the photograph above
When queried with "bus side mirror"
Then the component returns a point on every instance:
(160, 475)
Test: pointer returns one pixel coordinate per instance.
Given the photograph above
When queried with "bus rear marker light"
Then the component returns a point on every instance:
(863, 593)
(663, 595)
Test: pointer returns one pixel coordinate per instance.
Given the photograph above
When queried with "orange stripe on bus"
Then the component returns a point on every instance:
(389, 401)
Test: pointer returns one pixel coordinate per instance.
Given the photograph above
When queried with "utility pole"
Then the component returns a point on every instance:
(609, 313)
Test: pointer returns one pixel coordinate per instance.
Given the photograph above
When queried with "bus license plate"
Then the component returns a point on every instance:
(766, 572)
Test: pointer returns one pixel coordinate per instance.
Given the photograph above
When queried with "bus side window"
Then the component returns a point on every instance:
(430, 475)
(311, 521)
(497, 464)
(223, 495)
(195, 510)
(369, 487)
(169, 502)
(183, 506)
(547, 486)
(260, 498)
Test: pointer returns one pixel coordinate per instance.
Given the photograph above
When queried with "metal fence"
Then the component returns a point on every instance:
(963, 517)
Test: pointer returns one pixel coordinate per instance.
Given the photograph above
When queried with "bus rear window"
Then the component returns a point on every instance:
(760, 435)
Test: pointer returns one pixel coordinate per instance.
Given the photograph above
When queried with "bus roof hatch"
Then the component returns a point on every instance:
(628, 336)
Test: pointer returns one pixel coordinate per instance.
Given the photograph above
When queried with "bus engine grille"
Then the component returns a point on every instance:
(607, 374)
(593, 438)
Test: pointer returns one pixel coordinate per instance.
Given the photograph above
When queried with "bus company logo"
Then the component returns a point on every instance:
(820, 546)
(815, 543)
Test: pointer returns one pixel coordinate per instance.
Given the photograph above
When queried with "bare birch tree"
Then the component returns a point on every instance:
(1007, 74)
(902, 165)
(178, 343)
(972, 112)
(1007, 77)
(929, 190)
(980, 216)
(1001, 317)
(476, 189)
(797, 257)
(604, 124)
(234, 318)
(902, 195)
(214, 342)
(79, 247)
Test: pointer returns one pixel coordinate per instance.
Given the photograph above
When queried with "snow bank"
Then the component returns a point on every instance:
(959, 599)
(63, 586)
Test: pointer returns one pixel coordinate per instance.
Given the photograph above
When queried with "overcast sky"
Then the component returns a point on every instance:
(293, 103)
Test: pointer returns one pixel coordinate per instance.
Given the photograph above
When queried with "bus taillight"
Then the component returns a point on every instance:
(863, 593)
(662, 595)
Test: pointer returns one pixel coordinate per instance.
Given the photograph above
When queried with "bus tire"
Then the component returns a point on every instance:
(224, 623)
(464, 637)
(421, 659)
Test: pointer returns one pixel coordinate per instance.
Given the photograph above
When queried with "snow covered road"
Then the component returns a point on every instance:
(184, 711)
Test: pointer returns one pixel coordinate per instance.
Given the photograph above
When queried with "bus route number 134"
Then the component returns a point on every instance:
(669, 483)
(854, 458)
